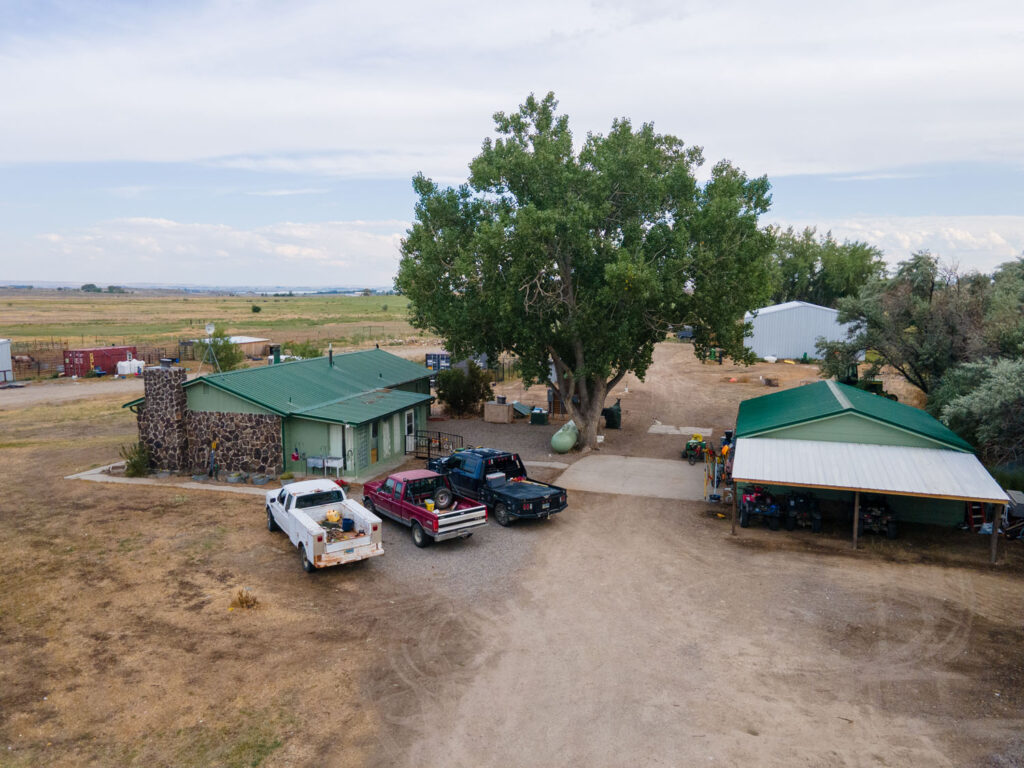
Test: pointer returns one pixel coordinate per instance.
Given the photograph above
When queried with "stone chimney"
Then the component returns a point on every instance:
(162, 417)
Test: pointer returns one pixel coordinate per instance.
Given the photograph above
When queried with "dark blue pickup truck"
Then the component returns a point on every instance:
(498, 479)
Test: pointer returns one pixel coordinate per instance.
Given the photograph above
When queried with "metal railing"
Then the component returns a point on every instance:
(430, 444)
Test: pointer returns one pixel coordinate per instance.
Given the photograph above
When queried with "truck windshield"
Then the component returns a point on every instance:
(510, 465)
(320, 498)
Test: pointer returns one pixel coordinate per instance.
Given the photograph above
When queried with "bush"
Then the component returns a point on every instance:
(257, 308)
(136, 460)
(464, 392)
(304, 349)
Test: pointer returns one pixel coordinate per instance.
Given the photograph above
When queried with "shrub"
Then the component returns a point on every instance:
(245, 598)
(464, 392)
(136, 460)
(304, 349)
(257, 308)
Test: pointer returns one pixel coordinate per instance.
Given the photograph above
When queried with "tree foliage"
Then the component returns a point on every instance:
(228, 354)
(821, 270)
(579, 261)
(988, 410)
(464, 391)
(922, 321)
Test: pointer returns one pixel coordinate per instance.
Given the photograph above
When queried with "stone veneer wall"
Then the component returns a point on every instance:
(246, 442)
(162, 417)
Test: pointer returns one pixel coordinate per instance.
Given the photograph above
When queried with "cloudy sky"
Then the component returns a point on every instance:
(262, 143)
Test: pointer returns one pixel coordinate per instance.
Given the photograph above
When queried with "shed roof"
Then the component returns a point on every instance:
(822, 399)
(787, 306)
(890, 469)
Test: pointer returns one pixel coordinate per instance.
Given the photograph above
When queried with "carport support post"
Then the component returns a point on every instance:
(735, 493)
(856, 515)
(997, 516)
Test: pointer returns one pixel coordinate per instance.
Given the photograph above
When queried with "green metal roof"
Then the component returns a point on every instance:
(828, 398)
(364, 407)
(303, 387)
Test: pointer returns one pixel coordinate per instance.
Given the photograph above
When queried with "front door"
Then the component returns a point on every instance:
(337, 443)
(410, 431)
(374, 440)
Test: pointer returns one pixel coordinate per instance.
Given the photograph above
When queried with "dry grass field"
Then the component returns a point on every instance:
(162, 317)
(625, 631)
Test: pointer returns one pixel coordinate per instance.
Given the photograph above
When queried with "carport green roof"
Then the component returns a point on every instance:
(824, 399)
(355, 389)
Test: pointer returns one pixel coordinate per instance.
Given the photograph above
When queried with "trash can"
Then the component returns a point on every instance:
(613, 415)
(538, 416)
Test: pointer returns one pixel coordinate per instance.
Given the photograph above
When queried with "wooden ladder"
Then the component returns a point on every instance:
(974, 515)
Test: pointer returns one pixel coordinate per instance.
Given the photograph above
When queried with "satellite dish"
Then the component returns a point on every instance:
(210, 328)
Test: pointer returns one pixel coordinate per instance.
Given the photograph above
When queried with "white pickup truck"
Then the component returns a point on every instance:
(305, 510)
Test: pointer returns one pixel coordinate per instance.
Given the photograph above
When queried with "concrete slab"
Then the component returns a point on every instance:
(668, 429)
(634, 476)
(546, 464)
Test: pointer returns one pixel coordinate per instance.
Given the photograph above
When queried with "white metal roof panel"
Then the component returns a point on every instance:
(895, 469)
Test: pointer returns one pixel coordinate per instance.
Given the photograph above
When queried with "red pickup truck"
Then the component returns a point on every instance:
(406, 496)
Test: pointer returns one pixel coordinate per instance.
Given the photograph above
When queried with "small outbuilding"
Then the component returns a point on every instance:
(341, 413)
(791, 330)
(6, 366)
(839, 441)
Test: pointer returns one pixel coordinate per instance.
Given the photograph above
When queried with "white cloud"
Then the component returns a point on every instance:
(396, 87)
(974, 242)
(143, 250)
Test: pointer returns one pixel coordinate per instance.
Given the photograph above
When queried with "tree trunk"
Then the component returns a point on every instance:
(588, 415)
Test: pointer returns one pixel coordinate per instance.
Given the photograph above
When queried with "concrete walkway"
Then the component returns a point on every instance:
(97, 476)
(633, 476)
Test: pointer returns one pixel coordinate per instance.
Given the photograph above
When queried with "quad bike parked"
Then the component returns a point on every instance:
(758, 503)
(877, 517)
(695, 448)
(802, 509)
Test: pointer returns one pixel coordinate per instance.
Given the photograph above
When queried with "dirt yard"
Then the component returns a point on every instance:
(625, 631)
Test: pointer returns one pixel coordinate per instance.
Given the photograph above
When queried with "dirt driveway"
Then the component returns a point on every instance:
(625, 631)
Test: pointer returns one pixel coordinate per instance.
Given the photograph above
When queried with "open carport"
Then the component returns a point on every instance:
(840, 441)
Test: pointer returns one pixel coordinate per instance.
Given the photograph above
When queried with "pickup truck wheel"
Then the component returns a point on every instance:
(419, 536)
(307, 566)
(271, 525)
(368, 503)
(501, 515)
(443, 498)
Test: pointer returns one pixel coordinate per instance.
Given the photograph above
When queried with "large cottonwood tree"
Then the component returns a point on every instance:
(579, 261)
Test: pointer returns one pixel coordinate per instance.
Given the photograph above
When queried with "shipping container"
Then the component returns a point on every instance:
(78, 362)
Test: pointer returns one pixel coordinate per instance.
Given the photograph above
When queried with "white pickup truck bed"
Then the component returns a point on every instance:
(296, 510)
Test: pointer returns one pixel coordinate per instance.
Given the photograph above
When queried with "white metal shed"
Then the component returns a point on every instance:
(790, 330)
(6, 368)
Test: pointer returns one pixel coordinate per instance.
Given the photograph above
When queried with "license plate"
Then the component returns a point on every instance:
(545, 505)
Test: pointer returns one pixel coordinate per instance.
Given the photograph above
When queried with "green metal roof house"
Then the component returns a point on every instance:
(356, 409)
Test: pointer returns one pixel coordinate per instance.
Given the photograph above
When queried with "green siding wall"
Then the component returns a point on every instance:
(851, 428)
(309, 437)
(911, 509)
(202, 397)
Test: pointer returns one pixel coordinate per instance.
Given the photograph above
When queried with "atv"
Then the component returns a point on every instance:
(802, 509)
(877, 517)
(759, 503)
(695, 448)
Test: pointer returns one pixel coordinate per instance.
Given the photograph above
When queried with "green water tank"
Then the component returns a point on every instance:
(565, 438)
